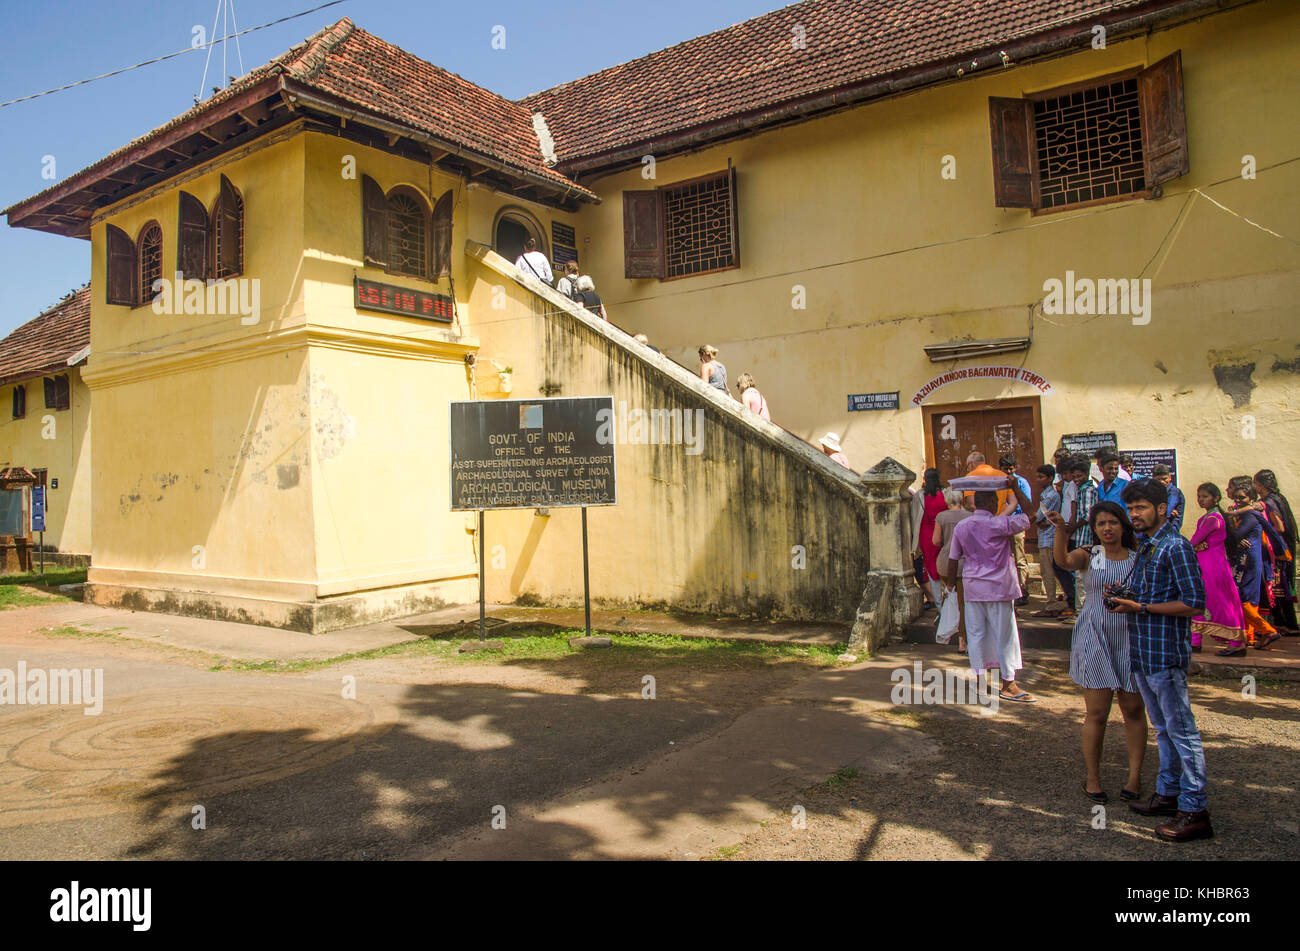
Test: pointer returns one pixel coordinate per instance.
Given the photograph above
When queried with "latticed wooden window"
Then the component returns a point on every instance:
(407, 236)
(150, 250)
(227, 232)
(1089, 144)
(1112, 139)
(697, 227)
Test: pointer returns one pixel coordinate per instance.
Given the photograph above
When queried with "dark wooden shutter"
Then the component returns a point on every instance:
(232, 230)
(732, 210)
(441, 242)
(62, 395)
(50, 398)
(1015, 171)
(192, 238)
(20, 401)
(643, 234)
(119, 277)
(374, 222)
(1164, 123)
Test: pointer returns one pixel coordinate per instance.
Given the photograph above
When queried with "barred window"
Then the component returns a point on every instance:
(149, 248)
(407, 235)
(1089, 144)
(227, 232)
(697, 227)
(1110, 139)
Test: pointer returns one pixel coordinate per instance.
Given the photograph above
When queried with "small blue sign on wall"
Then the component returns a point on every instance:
(866, 401)
(38, 508)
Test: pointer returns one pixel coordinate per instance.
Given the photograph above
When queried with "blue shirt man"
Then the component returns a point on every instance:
(1169, 591)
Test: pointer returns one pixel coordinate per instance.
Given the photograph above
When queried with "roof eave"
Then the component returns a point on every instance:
(332, 105)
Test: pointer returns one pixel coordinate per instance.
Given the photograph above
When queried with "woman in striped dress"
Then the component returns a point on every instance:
(1099, 657)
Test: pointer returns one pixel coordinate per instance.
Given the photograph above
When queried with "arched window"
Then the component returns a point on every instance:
(149, 249)
(227, 232)
(408, 233)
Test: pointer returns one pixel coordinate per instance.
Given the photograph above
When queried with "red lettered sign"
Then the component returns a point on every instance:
(371, 295)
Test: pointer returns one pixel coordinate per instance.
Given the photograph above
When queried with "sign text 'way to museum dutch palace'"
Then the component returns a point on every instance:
(530, 453)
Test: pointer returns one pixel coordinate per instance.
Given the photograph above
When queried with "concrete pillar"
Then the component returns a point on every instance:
(889, 599)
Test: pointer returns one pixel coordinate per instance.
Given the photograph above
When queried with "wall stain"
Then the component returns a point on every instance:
(1236, 382)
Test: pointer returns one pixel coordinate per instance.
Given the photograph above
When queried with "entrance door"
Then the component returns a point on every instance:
(954, 430)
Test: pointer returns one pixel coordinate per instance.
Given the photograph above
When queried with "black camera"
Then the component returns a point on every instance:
(1117, 590)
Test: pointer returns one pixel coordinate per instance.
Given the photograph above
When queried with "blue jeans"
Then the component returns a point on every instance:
(1182, 759)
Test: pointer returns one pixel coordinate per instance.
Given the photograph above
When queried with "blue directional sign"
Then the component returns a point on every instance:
(38, 508)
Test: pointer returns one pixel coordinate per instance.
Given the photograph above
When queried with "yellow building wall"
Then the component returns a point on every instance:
(59, 441)
(891, 256)
(202, 476)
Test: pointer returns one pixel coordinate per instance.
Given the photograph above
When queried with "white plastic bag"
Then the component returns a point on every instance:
(949, 617)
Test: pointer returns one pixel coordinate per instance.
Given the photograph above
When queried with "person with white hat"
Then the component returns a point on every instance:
(831, 447)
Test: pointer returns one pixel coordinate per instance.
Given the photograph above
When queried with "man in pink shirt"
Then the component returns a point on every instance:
(981, 544)
(831, 447)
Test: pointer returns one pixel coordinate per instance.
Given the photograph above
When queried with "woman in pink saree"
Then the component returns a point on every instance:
(1223, 618)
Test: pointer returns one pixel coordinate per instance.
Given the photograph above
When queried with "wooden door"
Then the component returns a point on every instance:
(956, 430)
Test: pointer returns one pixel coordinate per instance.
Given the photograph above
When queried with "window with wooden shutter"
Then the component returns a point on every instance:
(150, 252)
(374, 222)
(1011, 128)
(119, 278)
(643, 234)
(442, 237)
(1164, 123)
(57, 392)
(192, 238)
(1108, 139)
(228, 232)
(20, 401)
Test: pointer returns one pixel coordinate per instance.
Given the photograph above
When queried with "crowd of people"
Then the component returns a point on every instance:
(1141, 597)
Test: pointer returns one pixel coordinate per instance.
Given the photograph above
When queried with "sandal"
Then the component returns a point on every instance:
(1097, 797)
(1129, 796)
(1268, 640)
(1232, 652)
(1021, 697)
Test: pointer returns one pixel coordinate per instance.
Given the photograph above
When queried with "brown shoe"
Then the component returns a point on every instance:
(1157, 805)
(1186, 827)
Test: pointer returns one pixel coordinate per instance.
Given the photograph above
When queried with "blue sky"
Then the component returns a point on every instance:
(54, 42)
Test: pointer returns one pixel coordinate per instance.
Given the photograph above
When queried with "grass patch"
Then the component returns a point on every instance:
(29, 588)
(842, 777)
(545, 643)
(69, 630)
(725, 853)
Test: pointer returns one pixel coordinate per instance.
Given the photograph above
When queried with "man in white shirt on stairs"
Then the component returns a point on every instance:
(534, 262)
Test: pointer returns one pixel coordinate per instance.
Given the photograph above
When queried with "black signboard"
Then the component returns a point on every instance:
(867, 401)
(1144, 460)
(564, 245)
(512, 454)
(371, 295)
(1087, 442)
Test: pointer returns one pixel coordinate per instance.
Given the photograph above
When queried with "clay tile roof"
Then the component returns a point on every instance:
(356, 66)
(347, 63)
(755, 65)
(44, 344)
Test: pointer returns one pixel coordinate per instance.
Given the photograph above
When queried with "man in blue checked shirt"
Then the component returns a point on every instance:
(1167, 581)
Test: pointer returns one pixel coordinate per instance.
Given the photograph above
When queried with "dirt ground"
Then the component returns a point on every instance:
(1008, 788)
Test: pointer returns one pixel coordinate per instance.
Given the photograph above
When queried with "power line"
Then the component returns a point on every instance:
(159, 59)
